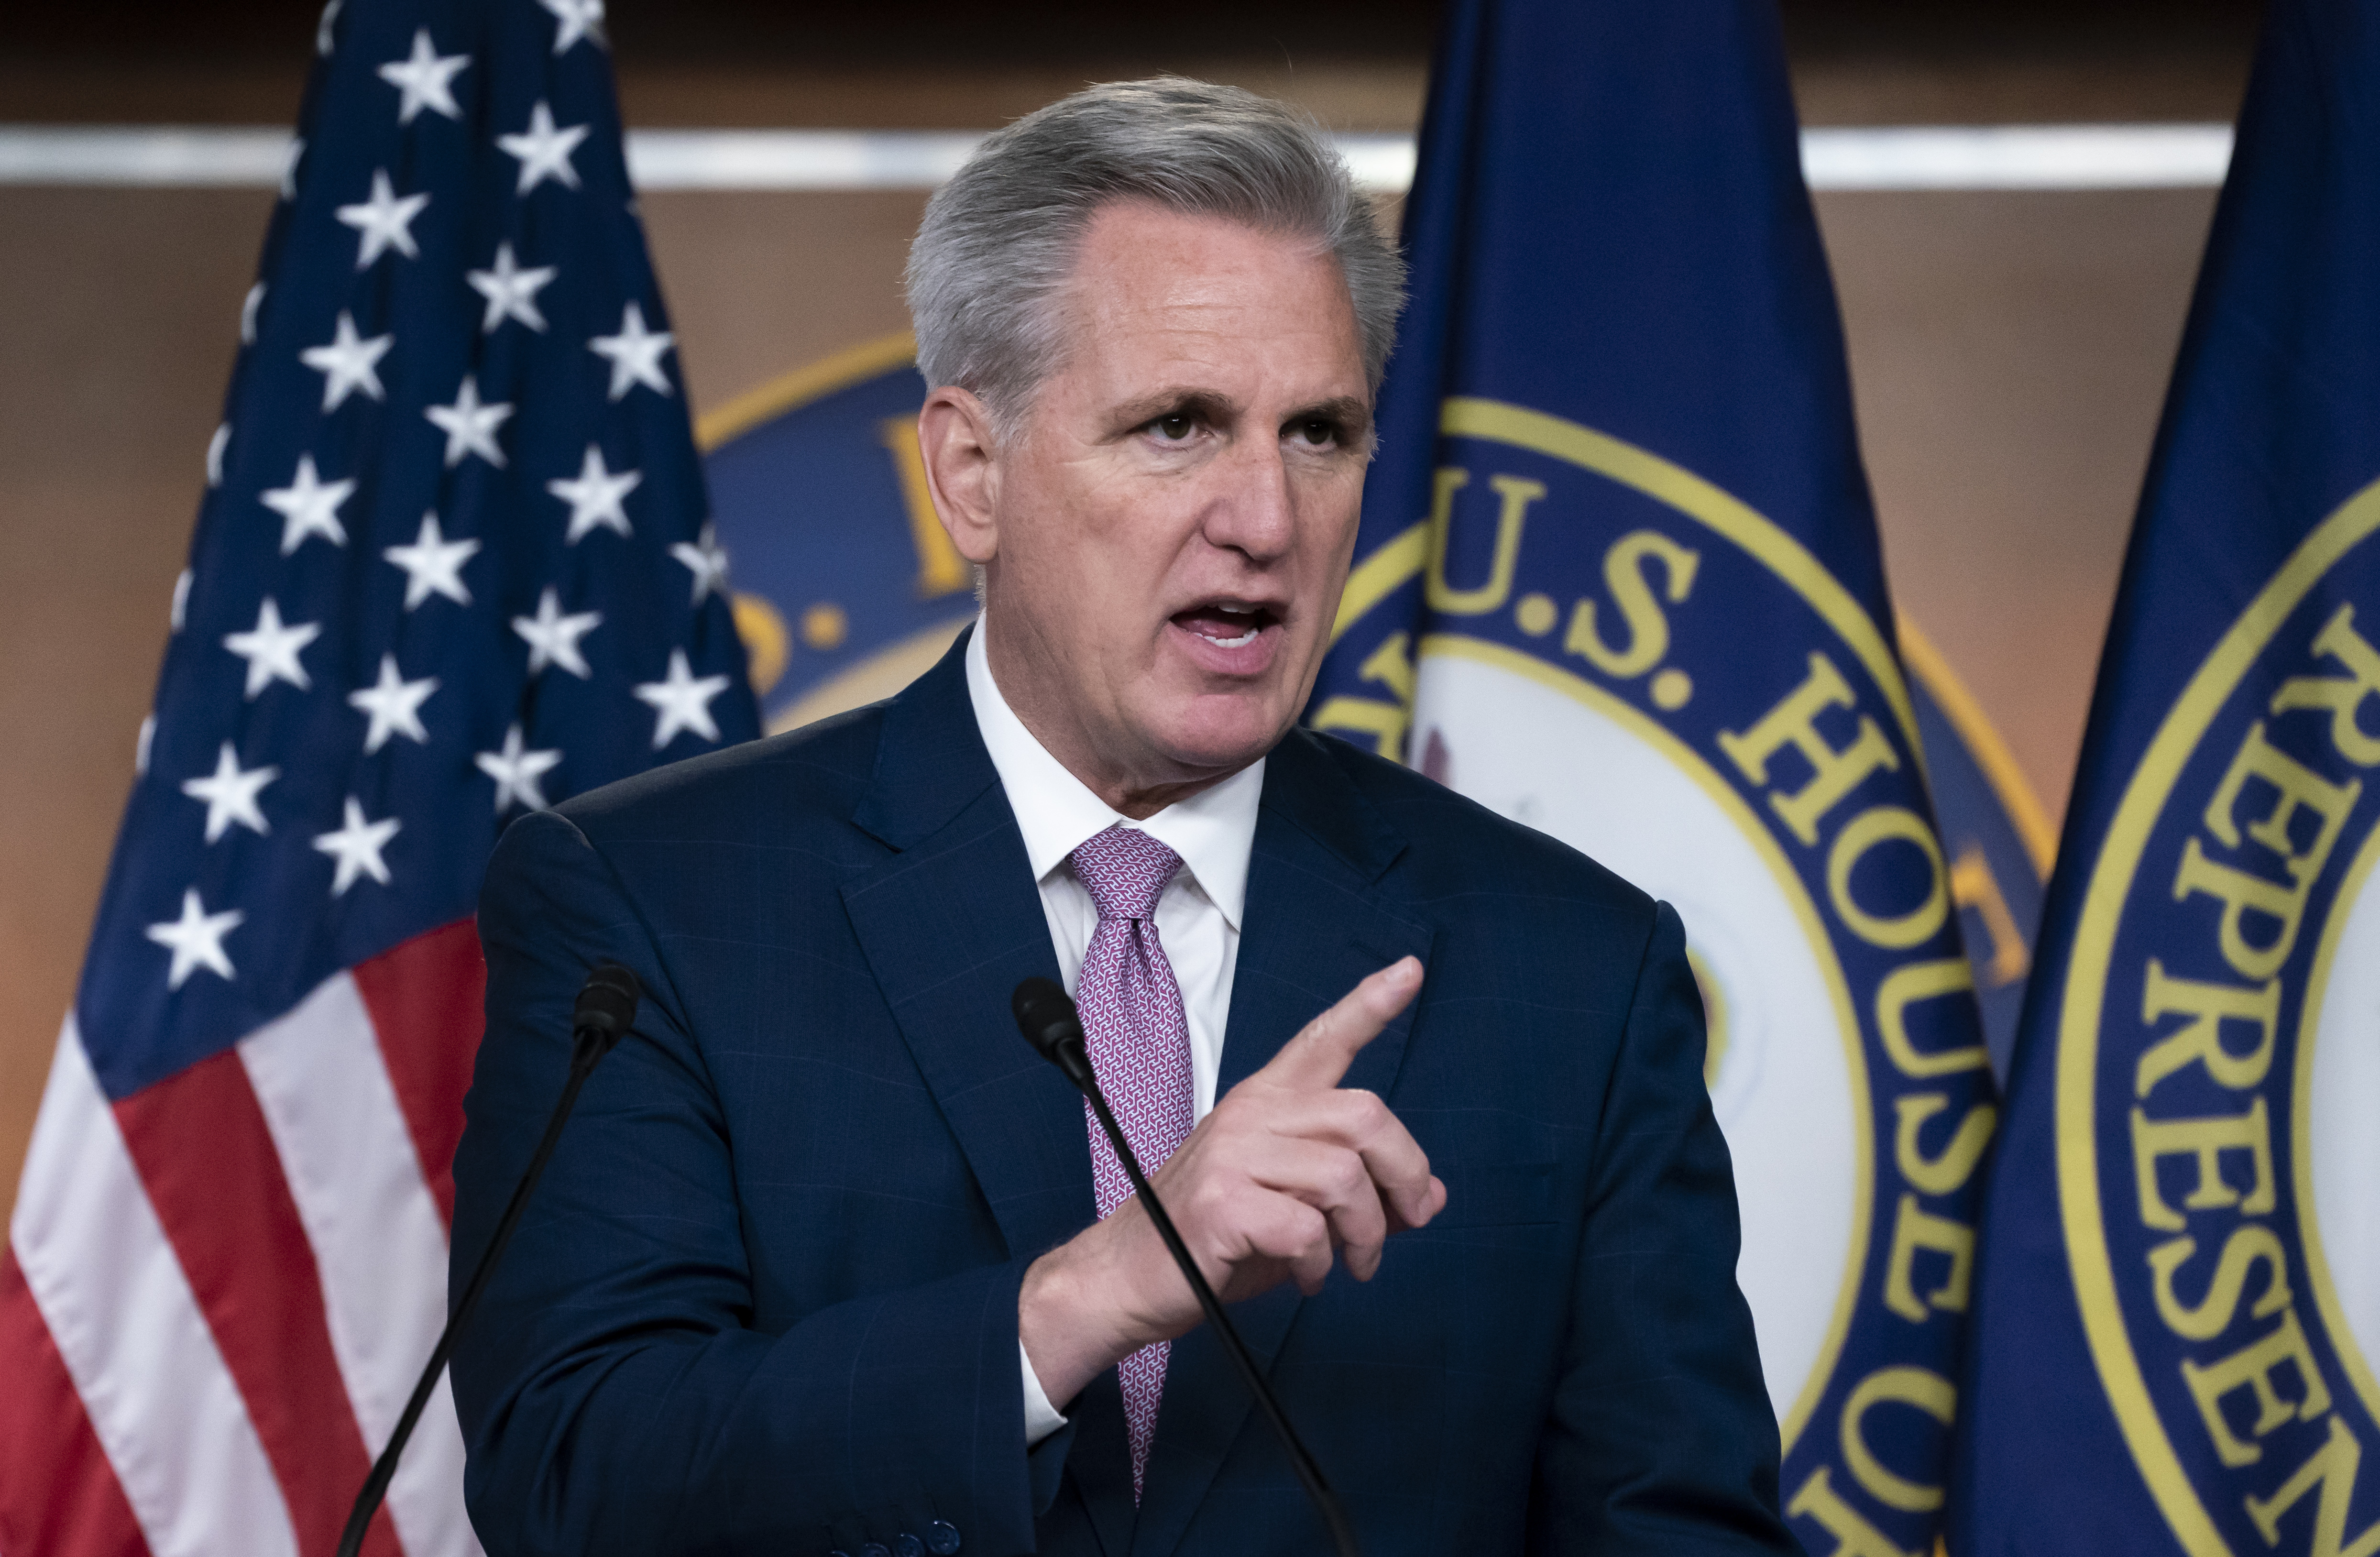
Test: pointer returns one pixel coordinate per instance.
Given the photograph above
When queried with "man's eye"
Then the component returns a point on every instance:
(1316, 431)
(1173, 428)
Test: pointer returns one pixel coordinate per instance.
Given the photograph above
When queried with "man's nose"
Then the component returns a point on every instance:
(1255, 512)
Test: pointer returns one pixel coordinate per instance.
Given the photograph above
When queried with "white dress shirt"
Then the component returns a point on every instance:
(1197, 916)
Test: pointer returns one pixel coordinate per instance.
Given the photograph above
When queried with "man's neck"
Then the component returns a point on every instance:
(1128, 792)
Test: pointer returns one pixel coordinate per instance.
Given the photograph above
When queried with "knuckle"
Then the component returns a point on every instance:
(1292, 1232)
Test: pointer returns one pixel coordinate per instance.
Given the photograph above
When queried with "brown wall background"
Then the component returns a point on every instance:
(2009, 351)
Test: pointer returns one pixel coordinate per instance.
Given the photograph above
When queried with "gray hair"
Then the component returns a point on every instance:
(998, 241)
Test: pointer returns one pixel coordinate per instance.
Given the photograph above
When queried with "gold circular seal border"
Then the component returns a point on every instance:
(2333, 1313)
(792, 391)
(1687, 761)
(2084, 997)
(1755, 534)
(892, 665)
(1673, 486)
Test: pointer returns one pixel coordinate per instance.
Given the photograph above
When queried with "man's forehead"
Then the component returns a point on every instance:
(1168, 299)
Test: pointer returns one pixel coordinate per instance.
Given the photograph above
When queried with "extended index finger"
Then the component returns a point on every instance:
(1318, 1056)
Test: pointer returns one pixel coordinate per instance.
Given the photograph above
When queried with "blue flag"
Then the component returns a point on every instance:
(451, 565)
(2180, 1292)
(1618, 579)
(847, 586)
(1994, 834)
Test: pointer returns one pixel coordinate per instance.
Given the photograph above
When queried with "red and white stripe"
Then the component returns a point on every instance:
(221, 1288)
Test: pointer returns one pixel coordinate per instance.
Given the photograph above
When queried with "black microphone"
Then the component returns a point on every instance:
(606, 1005)
(1049, 1021)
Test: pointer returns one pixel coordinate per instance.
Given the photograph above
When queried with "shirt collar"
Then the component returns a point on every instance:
(1213, 830)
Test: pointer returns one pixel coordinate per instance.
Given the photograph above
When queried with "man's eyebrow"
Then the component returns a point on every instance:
(1207, 405)
(1351, 414)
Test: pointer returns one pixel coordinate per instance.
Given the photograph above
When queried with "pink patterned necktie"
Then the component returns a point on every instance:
(1139, 1044)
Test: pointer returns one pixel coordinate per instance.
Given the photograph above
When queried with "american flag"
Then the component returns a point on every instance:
(452, 564)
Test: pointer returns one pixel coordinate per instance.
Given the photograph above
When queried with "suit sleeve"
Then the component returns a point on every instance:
(1661, 1439)
(611, 1397)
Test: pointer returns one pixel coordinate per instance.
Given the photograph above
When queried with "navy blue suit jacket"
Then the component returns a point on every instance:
(765, 1298)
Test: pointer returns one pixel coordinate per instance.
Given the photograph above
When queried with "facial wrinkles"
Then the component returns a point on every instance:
(1112, 534)
(1230, 505)
(1217, 343)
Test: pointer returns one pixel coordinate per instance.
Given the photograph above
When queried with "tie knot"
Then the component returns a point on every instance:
(1125, 870)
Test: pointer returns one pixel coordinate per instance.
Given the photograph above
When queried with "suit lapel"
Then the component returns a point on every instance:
(953, 921)
(1312, 930)
(949, 925)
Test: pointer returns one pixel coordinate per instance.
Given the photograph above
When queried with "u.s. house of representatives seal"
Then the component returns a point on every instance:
(2218, 1074)
(1621, 654)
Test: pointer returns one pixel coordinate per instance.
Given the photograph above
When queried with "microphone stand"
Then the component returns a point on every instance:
(605, 1007)
(1048, 1018)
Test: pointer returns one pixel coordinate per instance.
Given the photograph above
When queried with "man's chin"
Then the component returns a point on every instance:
(1221, 733)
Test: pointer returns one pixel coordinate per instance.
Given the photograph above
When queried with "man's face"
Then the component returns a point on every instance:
(1173, 521)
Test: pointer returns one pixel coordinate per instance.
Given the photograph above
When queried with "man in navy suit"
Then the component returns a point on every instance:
(829, 1261)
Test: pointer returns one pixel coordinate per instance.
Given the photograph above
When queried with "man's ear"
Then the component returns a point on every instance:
(962, 469)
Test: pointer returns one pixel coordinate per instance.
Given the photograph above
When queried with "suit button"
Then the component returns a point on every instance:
(874, 1549)
(941, 1539)
(907, 1545)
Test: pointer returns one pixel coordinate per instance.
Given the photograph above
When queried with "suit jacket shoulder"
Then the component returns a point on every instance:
(805, 776)
(1453, 847)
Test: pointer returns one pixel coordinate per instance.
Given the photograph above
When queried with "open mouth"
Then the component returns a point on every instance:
(1227, 623)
